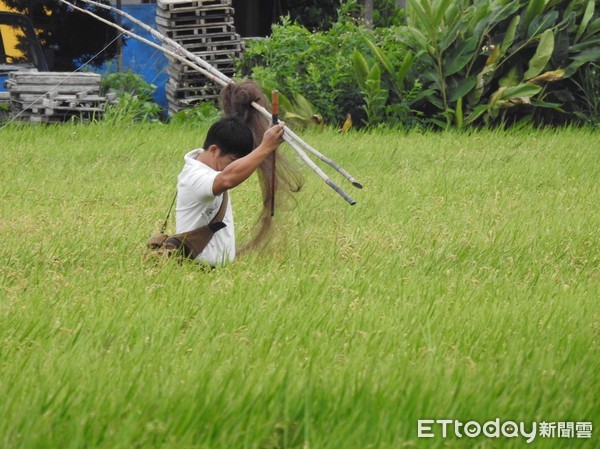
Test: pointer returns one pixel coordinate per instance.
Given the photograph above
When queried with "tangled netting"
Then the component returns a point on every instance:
(237, 99)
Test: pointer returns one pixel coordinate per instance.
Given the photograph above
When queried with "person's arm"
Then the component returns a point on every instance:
(241, 169)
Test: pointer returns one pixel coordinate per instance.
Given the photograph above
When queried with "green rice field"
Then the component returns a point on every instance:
(464, 285)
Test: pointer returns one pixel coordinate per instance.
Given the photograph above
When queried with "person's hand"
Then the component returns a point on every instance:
(273, 136)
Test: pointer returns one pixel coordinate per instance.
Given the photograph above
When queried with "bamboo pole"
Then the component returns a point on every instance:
(273, 156)
(219, 77)
(214, 75)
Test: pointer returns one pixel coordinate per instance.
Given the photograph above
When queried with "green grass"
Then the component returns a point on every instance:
(464, 284)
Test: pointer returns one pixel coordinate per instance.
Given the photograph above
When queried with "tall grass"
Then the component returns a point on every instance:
(464, 285)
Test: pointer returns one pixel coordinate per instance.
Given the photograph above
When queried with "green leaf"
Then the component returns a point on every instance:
(476, 113)
(512, 77)
(419, 38)
(440, 12)
(284, 102)
(587, 16)
(361, 68)
(522, 90)
(542, 55)
(404, 68)
(462, 88)
(381, 57)
(586, 45)
(534, 9)
(304, 106)
(509, 37)
(456, 61)
(593, 27)
(547, 105)
(415, 6)
(542, 23)
(427, 8)
(561, 47)
(458, 115)
(581, 59)
(452, 13)
(374, 77)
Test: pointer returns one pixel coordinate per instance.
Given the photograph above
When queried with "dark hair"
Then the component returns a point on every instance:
(231, 135)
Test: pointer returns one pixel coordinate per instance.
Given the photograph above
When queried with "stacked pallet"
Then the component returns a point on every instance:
(47, 97)
(206, 29)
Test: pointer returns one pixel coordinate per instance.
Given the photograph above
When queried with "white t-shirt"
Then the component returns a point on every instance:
(197, 206)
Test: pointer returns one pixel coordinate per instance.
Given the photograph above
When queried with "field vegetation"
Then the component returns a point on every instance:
(464, 284)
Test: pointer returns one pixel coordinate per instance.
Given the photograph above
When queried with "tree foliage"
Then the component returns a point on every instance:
(68, 36)
(320, 15)
(452, 63)
(503, 60)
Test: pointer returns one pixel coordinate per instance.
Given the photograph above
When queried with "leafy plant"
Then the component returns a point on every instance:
(374, 93)
(587, 98)
(201, 113)
(483, 60)
(318, 67)
(382, 86)
(134, 94)
(320, 15)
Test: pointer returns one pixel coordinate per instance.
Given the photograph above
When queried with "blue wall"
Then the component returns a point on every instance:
(141, 58)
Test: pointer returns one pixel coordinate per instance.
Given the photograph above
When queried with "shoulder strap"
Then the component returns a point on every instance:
(221, 212)
(219, 217)
(163, 228)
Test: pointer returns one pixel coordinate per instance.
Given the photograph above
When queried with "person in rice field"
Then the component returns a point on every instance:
(226, 160)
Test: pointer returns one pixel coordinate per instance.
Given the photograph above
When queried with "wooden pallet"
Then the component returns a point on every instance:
(226, 67)
(223, 11)
(174, 5)
(55, 96)
(179, 34)
(223, 41)
(219, 31)
(213, 56)
(215, 52)
(224, 25)
(205, 28)
(54, 78)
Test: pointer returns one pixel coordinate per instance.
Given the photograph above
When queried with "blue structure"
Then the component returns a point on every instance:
(141, 58)
(137, 57)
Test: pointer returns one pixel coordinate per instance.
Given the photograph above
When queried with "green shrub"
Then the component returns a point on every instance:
(454, 63)
(319, 65)
(199, 114)
(134, 94)
(498, 61)
(586, 103)
(320, 15)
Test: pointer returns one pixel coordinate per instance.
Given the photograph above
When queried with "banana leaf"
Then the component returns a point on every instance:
(464, 53)
(592, 55)
(460, 87)
(361, 68)
(587, 16)
(509, 36)
(541, 24)
(542, 55)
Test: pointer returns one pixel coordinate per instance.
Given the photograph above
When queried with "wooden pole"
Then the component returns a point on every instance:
(119, 41)
(275, 121)
(213, 74)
